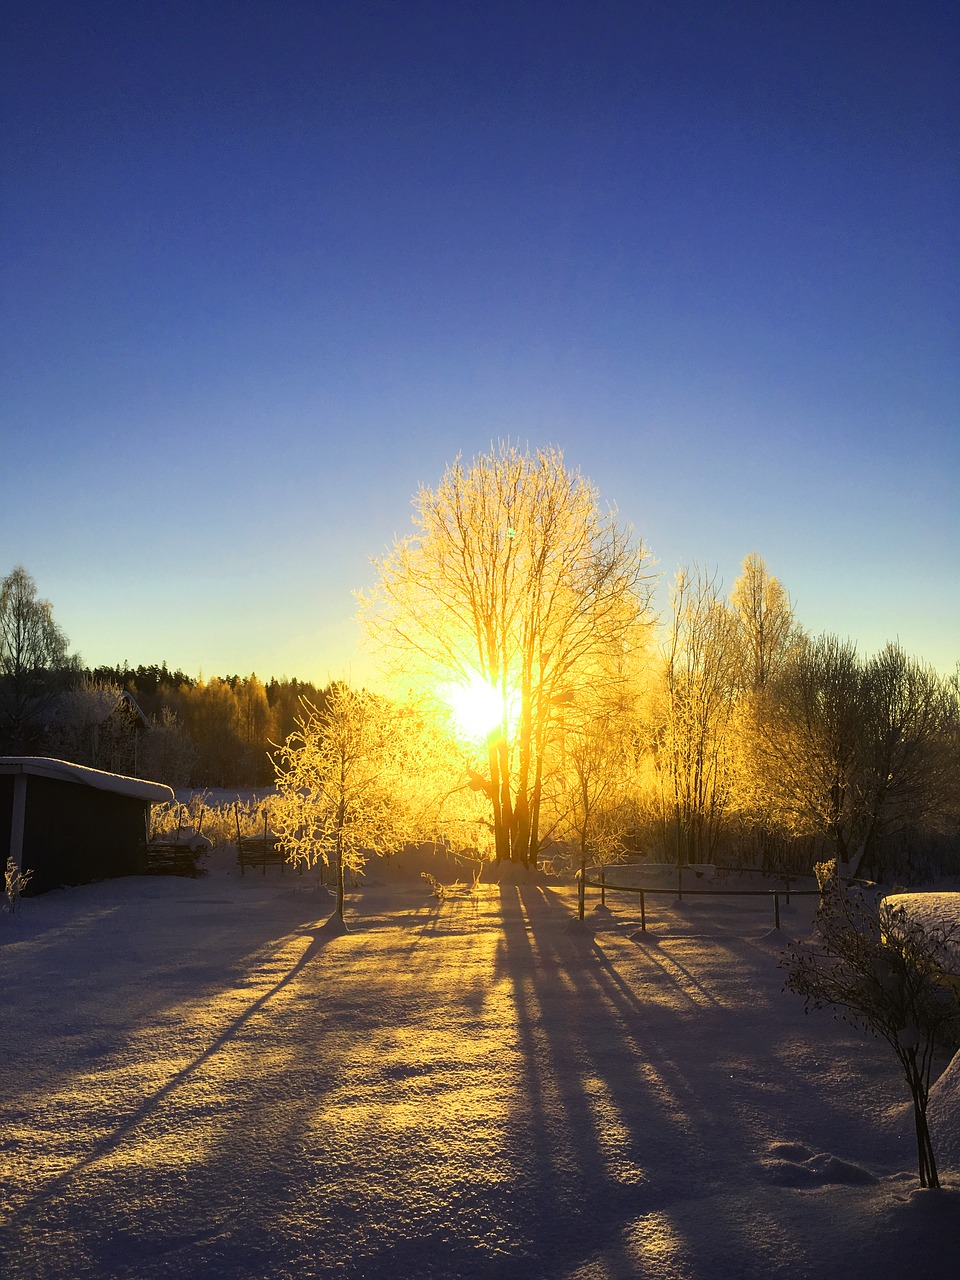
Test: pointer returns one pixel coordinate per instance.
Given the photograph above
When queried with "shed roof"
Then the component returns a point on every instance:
(63, 771)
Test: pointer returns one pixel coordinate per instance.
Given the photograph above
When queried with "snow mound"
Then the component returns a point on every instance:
(789, 1151)
(644, 935)
(943, 1115)
(577, 926)
(333, 926)
(791, 1164)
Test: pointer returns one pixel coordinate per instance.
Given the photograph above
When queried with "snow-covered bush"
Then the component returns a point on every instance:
(890, 976)
(216, 822)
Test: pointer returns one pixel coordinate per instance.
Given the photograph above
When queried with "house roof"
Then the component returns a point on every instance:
(63, 771)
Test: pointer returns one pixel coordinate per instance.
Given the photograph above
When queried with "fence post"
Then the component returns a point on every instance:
(236, 815)
(776, 909)
(581, 893)
(603, 886)
(643, 913)
(680, 881)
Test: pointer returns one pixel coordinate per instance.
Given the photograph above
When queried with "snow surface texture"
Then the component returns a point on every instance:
(943, 1108)
(205, 1079)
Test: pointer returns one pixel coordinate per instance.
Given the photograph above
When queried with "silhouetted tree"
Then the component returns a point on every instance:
(34, 661)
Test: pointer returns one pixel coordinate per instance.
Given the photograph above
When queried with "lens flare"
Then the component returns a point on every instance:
(479, 708)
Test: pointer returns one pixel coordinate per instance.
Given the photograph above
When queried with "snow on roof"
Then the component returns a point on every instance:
(64, 771)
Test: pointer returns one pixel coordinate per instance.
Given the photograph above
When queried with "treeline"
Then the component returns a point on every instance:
(760, 744)
(153, 722)
(146, 721)
(722, 732)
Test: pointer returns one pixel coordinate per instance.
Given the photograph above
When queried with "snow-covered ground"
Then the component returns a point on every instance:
(201, 1079)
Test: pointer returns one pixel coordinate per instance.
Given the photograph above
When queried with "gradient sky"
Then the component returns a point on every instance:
(267, 267)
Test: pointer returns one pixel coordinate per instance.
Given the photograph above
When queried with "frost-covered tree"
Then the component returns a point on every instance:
(338, 777)
(890, 976)
(811, 755)
(764, 622)
(596, 810)
(514, 580)
(699, 685)
(97, 724)
(856, 752)
(766, 634)
(910, 775)
(166, 752)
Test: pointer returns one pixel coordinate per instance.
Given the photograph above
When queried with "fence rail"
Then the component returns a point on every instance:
(678, 891)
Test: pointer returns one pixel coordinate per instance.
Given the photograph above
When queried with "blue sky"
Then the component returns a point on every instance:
(268, 268)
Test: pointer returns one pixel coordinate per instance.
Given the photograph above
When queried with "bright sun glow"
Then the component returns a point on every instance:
(478, 707)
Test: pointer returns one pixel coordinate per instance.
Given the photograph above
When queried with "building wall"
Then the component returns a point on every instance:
(75, 833)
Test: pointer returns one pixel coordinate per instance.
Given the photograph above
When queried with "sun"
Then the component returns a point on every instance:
(478, 708)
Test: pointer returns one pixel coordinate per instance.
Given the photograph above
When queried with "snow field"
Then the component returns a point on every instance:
(205, 1079)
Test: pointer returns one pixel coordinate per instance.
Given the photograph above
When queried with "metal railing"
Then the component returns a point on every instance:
(605, 886)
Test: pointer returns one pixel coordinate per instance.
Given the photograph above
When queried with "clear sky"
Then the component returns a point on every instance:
(267, 267)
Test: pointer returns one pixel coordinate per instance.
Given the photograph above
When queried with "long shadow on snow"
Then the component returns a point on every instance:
(727, 1099)
(321, 936)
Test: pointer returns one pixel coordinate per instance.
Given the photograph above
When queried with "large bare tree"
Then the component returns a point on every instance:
(514, 576)
(857, 752)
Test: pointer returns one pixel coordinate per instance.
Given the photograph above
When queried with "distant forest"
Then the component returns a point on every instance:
(145, 721)
(151, 721)
(722, 731)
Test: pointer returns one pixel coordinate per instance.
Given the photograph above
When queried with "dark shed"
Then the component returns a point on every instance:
(67, 824)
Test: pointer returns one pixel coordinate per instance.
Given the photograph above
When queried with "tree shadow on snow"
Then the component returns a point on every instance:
(651, 1088)
(320, 936)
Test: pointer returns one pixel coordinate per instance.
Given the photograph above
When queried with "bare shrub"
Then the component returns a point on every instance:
(888, 975)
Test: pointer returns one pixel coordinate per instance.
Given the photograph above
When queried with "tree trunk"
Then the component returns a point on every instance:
(339, 876)
(926, 1161)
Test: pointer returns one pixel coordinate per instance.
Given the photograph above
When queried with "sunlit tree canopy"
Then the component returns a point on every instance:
(515, 598)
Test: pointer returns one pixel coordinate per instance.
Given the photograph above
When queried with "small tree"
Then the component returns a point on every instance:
(595, 811)
(337, 800)
(889, 976)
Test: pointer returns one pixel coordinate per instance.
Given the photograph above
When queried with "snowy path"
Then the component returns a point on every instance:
(199, 1080)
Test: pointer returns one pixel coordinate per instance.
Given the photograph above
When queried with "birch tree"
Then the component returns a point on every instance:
(764, 621)
(766, 634)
